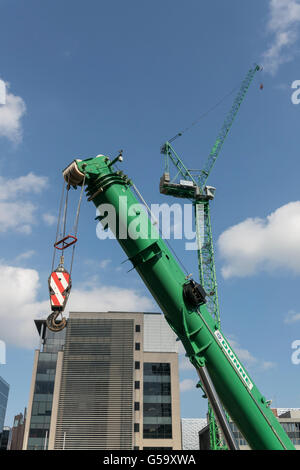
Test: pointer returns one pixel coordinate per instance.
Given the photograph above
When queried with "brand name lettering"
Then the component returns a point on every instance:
(233, 359)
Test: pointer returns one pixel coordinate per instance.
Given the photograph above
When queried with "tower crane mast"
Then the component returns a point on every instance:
(193, 186)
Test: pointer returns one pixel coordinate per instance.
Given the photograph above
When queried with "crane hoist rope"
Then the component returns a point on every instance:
(59, 281)
(203, 115)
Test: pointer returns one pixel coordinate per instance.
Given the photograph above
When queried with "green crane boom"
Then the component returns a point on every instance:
(182, 301)
(192, 186)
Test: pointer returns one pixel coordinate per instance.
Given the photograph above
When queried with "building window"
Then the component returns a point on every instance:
(241, 441)
(137, 346)
(136, 406)
(137, 385)
(137, 328)
(156, 369)
(42, 400)
(136, 427)
(137, 365)
(157, 388)
(136, 448)
(157, 407)
(157, 431)
(293, 431)
(157, 448)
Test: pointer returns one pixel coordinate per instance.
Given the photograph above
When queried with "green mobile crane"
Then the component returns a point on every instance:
(183, 302)
(191, 184)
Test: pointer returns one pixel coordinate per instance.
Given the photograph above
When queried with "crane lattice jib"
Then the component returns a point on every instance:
(170, 154)
(226, 127)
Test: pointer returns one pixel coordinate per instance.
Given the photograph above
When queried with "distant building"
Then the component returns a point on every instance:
(289, 419)
(4, 438)
(37, 426)
(190, 428)
(204, 438)
(17, 432)
(109, 380)
(4, 390)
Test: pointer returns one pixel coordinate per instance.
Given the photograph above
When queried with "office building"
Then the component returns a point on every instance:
(39, 408)
(111, 383)
(5, 438)
(4, 390)
(289, 419)
(17, 432)
(190, 428)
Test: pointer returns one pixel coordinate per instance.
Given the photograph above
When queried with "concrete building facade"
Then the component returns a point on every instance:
(108, 381)
(190, 429)
(17, 432)
(4, 390)
(289, 419)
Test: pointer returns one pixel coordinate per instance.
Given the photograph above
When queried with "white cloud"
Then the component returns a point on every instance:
(17, 216)
(104, 263)
(23, 256)
(10, 188)
(49, 219)
(247, 359)
(185, 363)
(104, 298)
(284, 18)
(267, 365)
(18, 311)
(11, 114)
(243, 354)
(187, 384)
(15, 212)
(292, 317)
(262, 244)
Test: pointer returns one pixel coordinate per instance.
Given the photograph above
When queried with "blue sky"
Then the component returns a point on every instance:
(92, 77)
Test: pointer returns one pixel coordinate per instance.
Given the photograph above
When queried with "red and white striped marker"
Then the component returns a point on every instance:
(58, 282)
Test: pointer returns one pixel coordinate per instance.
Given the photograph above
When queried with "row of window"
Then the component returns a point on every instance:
(158, 368)
(154, 388)
(42, 386)
(291, 427)
(39, 433)
(155, 431)
(153, 371)
(154, 409)
(4, 389)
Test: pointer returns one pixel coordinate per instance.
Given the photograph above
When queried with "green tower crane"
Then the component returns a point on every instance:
(192, 185)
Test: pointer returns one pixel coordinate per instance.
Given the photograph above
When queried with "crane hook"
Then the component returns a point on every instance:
(55, 325)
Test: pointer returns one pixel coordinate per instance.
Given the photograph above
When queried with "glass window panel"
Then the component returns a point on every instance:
(159, 368)
(157, 431)
(156, 388)
(157, 409)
